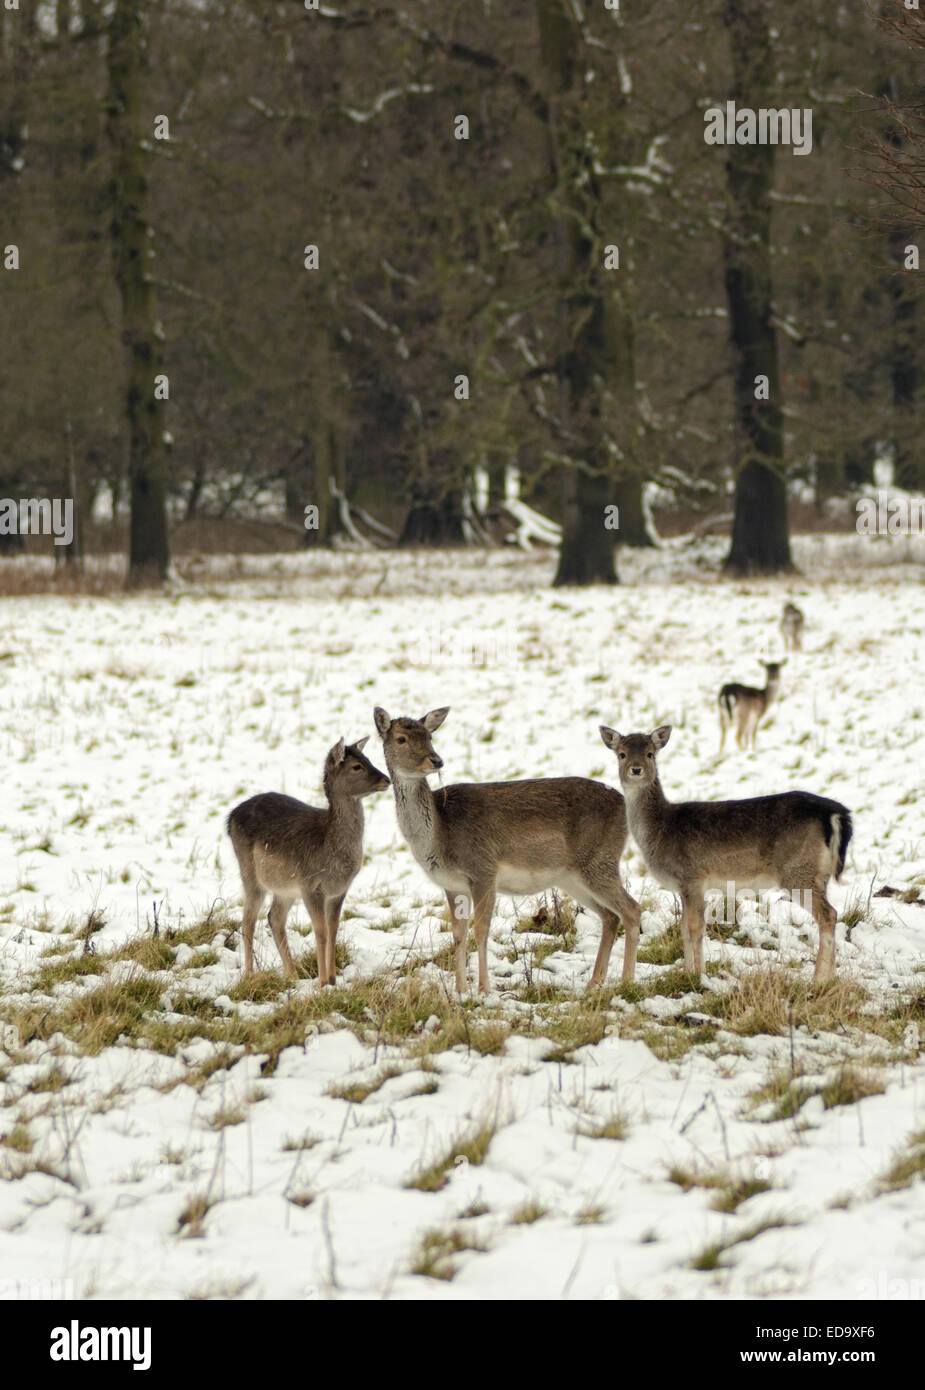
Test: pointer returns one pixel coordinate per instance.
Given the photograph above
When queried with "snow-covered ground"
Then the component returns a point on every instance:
(130, 726)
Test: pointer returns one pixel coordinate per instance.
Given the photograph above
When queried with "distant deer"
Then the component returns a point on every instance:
(477, 839)
(292, 850)
(747, 705)
(791, 627)
(795, 840)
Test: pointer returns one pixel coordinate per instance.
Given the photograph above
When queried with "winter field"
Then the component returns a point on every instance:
(167, 1132)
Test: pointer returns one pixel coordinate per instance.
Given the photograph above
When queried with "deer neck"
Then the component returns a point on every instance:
(417, 815)
(645, 806)
(770, 689)
(345, 818)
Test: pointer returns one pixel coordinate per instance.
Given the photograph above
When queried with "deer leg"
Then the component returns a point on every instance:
(279, 911)
(690, 959)
(459, 923)
(609, 924)
(332, 912)
(826, 917)
(631, 916)
(314, 904)
(253, 901)
(483, 902)
(694, 909)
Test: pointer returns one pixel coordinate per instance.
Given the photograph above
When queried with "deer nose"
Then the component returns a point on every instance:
(636, 770)
(436, 761)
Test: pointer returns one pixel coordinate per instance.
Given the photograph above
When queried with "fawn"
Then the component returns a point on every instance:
(794, 840)
(292, 850)
(477, 839)
(791, 627)
(747, 705)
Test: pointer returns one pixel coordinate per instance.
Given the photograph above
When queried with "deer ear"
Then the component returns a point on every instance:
(383, 722)
(337, 753)
(661, 735)
(610, 736)
(435, 718)
(361, 743)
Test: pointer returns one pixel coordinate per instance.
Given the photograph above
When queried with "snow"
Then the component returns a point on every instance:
(131, 725)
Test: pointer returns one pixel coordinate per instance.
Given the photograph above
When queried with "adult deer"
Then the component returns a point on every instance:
(795, 840)
(478, 839)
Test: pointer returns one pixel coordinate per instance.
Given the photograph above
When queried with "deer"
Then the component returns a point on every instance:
(292, 850)
(747, 705)
(791, 627)
(477, 839)
(793, 840)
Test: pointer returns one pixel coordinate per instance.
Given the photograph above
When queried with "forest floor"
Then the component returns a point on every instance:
(169, 1130)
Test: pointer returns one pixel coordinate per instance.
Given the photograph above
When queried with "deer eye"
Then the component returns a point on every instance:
(357, 767)
(401, 740)
(650, 755)
(621, 756)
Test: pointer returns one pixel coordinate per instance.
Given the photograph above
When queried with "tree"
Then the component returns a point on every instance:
(131, 235)
(760, 536)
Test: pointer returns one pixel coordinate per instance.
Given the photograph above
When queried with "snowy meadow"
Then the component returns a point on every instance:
(170, 1130)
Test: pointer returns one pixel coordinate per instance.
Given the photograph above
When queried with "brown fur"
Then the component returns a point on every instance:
(795, 840)
(482, 838)
(791, 627)
(292, 850)
(747, 705)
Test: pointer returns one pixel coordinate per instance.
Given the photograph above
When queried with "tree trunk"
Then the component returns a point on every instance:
(587, 552)
(433, 519)
(633, 527)
(760, 535)
(909, 469)
(595, 340)
(15, 68)
(131, 248)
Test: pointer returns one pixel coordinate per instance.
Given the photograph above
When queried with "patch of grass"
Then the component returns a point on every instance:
(18, 1138)
(194, 1214)
(664, 949)
(669, 1041)
(766, 1001)
(202, 933)
(150, 952)
(223, 1119)
(850, 1085)
(591, 1214)
(467, 1149)
(357, 1091)
(474, 1209)
(259, 987)
(711, 1256)
(63, 970)
(672, 983)
(307, 964)
(528, 1212)
(616, 1127)
(302, 1145)
(907, 1167)
(97, 1019)
(434, 1256)
(689, 1178)
(426, 1088)
(737, 1191)
(55, 1079)
(790, 1090)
